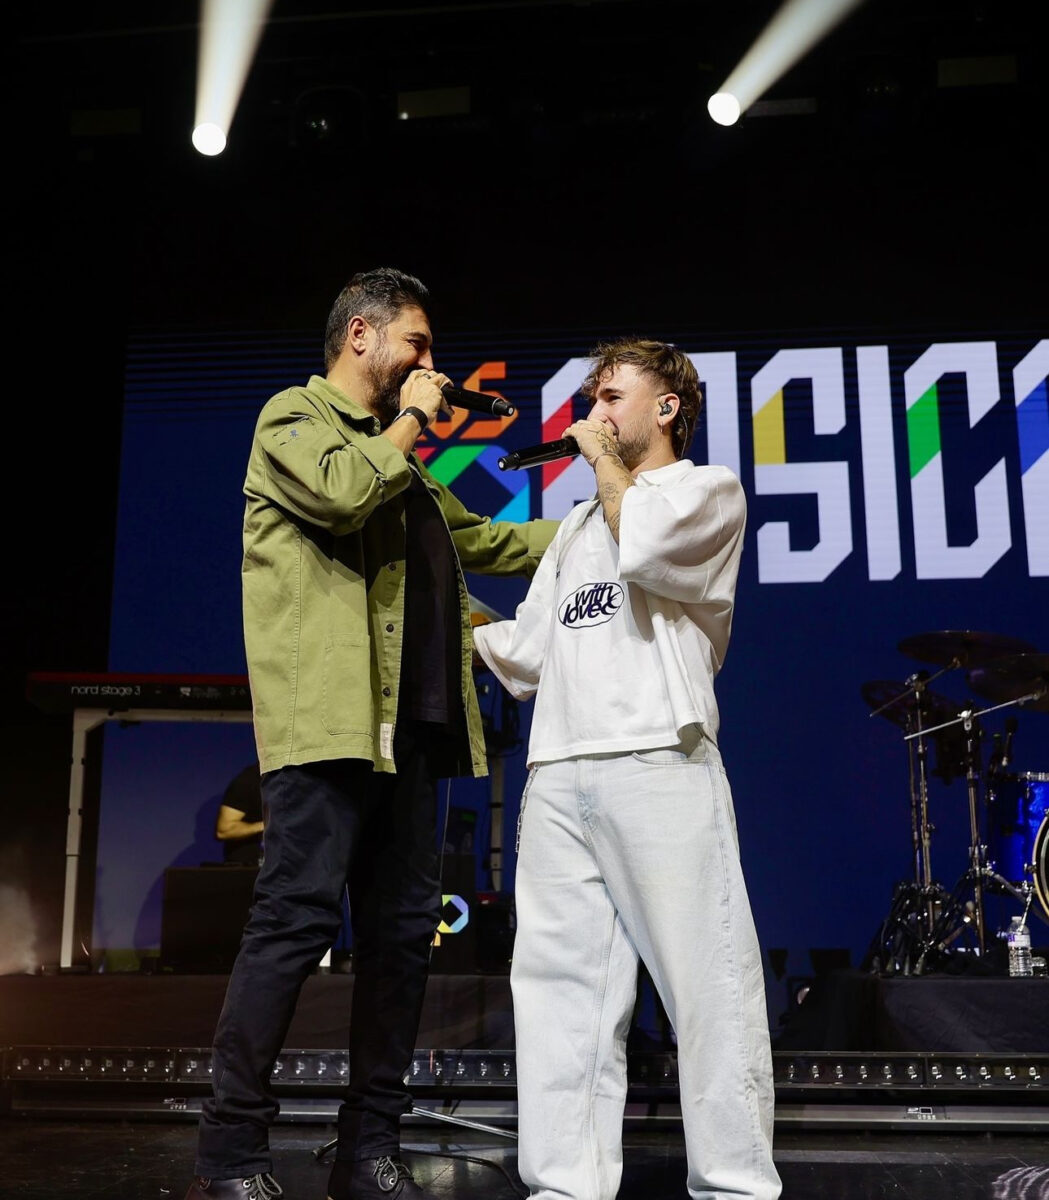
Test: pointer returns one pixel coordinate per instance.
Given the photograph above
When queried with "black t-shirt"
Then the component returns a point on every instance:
(431, 646)
(244, 793)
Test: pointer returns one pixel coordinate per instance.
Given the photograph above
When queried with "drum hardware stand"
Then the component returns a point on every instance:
(925, 920)
(907, 935)
(1023, 892)
(904, 940)
(956, 913)
(977, 850)
(921, 828)
(979, 869)
(940, 933)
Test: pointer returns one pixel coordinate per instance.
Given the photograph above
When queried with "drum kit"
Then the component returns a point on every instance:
(929, 925)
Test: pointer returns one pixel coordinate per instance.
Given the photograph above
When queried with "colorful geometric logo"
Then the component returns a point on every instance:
(448, 464)
(459, 922)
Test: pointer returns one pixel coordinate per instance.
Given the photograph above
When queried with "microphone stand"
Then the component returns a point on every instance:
(977, 850)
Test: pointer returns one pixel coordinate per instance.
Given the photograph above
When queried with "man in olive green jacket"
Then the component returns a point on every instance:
(324, 577)
(357, 632)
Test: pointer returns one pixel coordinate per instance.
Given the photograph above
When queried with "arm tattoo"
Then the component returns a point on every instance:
(612, 521)
(610, 493)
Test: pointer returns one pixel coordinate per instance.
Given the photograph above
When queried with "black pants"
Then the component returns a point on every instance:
(328, 826)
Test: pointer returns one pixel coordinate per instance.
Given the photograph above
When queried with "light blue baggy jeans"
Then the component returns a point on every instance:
(626, 855)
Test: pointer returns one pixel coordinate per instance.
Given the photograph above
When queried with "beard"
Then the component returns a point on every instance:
(386, 382)
(634, 444)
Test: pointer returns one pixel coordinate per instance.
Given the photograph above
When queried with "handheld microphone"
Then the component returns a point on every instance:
(532, 456)
(480, 402)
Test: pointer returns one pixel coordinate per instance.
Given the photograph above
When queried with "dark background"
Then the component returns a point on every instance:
(586, 186)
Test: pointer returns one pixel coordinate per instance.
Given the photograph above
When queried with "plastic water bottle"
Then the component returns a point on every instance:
(1019, 939)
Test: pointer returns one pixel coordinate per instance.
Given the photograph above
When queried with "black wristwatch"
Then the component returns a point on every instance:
(417, 413)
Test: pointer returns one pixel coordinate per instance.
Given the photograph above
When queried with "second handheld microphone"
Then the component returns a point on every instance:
(532, 456)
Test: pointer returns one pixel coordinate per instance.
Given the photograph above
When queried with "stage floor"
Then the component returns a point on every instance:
(140, 1161)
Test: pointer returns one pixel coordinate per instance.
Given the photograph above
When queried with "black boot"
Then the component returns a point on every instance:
(255, 1187)
(385, 1178)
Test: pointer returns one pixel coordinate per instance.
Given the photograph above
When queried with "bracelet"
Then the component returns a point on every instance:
(609, 453)
(417, 413)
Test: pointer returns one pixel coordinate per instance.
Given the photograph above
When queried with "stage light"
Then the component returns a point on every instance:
(229, 33)
(723, 108)
(794, 30)
(209, 139)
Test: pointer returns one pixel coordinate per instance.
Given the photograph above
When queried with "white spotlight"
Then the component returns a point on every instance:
(229, 34)
(794, 29)
(723, 108)
(209, 139)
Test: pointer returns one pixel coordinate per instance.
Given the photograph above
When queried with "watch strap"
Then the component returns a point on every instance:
(417, 413)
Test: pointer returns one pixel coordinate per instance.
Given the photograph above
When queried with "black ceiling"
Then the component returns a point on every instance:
(584, 142)
(541, 74)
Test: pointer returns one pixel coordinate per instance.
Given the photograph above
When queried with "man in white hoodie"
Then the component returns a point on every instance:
(628, 843)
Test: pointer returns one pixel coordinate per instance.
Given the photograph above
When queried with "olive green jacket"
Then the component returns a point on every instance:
(323, 580)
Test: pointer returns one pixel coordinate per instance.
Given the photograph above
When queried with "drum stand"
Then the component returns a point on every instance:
(925, 921)
(977, 849)
(917, 908)
(958, 915)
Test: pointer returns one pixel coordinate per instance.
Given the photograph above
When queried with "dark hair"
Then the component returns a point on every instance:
(666, 363)
(377, 296)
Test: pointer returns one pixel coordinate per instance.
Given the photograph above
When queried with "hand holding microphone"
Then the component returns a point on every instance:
(534, 456)
(431, 392)
(594, 439)
(480, 402)
(422, 395)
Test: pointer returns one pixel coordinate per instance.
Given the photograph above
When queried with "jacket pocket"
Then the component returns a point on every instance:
(346, 689)
(347, 616)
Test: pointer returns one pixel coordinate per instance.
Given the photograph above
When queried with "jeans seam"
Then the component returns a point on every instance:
(597, 1014)
(597, 1011)
(521, 810)
(749, 1094)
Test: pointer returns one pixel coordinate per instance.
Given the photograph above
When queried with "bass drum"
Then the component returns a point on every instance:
(1041, 866)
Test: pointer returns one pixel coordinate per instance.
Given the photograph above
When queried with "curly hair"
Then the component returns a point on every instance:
(378, 296)
(662, 361)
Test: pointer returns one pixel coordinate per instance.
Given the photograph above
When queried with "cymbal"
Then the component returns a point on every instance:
(935, 709)
(963, 648)
(1014, 676)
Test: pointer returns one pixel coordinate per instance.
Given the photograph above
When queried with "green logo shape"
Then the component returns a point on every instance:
(923, 430)
(449, 465)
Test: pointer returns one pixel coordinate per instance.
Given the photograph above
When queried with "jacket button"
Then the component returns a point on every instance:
(386, 691)
(389, 628)
(391, 566)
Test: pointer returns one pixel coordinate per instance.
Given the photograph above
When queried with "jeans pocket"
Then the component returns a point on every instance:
(691, 749)
(669, 756)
